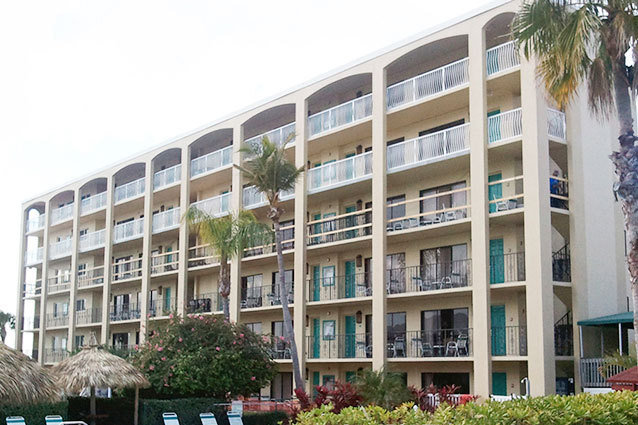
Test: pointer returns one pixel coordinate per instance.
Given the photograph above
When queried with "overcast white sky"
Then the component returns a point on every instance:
(84, 84)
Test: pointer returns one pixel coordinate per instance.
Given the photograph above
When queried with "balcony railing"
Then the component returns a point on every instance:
(590, 375)
(505, 126)
(506, 194)
(165, 262)
(92, 240)
(162, 307)
(502, 57)
(252, 198)
(59, 283)
(509, 341)
(428, 84)
(121, 312)
(128, 231)
(91, 277)
(32, 289)
(507, 267)
(340, 287)
(35, 224)
(280, 348)
(429, 277)
(429, 148)
(277, 136)
(130, 269)
(88, 317)
(201, 255)
(338, 228)
(561, 265)
(564, 336)
(443, 207)
(267, 245)
(216, 206)
(212, 161)
(56, 320)
(556, 126)
(340, 115)
(55, 355)
(61, 214)
(339, 173)
(341, 346)
(33, 256)
(265, 295)
(130, 190)
(60, 249)
(559, 192)
(166, 220)
(93, 203)
(205, 303)
(167, 177)
(30, 323)
(431, 343)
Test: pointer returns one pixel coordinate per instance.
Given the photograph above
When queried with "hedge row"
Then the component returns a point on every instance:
(34, 414)
(111, 411)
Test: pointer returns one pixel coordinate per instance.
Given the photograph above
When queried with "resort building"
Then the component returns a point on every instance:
(452, 224)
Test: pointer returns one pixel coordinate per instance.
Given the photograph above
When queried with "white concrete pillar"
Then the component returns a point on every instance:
(21, 281)
(45, 289)
(184, 204)
(146, 249)
(108, 260)
(74, 267)
(236, 204)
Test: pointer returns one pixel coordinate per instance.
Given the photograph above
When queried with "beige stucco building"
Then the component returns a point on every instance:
(426, 234)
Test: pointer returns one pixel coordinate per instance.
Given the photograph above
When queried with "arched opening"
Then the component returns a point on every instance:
(211, 151)
(276, 123)
(129, 182)
(167, 168)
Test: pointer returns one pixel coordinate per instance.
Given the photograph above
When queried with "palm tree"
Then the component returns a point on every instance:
(227, 236)
(382, 388)
(587, 42)
(267, 168)
(6, 319)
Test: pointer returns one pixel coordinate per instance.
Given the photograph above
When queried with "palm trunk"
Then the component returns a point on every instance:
(93, 409)
(283, 285)
(224, 285)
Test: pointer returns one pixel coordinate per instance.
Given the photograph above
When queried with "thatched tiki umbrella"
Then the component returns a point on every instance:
(23, 381)
(93, 368)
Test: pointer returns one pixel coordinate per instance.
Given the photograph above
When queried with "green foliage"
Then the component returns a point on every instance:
(616, 359)
(34, 414)
(263, 418)
(382, 388)
(205, 356)
(616, 408)
(112, 411)
(6, 319)
(187, 410)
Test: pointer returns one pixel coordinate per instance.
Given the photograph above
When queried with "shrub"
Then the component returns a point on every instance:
(112, 411)
(263, 418)
(341, 396)
(34, 414)
(382, 388)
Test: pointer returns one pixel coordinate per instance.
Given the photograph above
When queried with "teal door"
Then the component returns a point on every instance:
(316, 335)
(316, 283)
(350, 167)
(494, 126)
(351, 340)
(350, 284)
(494, 191)
(499, 383)
(497, 313)
(497, 261)
(167, 300)
(225, 201)
(351, 222)
(315, 383)
(316, 228)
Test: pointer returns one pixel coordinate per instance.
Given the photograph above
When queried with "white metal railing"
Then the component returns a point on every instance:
(556, 124)
(252, 198)
(130, 190)
(167, 176)
(502, 57)
(340, 172)
(33, 256)
(590, 372)
(505, 125)
(36, 223)
(165, 262)
(166, 220)
(91, 277)
(212, 161)
(61, 214)
(60, 282)
(277, 136)
(129, 230)
(216, 206)
(428, 148)
(340, 115)
(60, 249)
(428, 84)
(92, 240)
(93, 203)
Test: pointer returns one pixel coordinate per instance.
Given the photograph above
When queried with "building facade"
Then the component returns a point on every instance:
(451, 224)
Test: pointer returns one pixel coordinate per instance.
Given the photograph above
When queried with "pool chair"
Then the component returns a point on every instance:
(170, 418)
(208, 418)
(53, 420)
(234, 418)
(15, 420)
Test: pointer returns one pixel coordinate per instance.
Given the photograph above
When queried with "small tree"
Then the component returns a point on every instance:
(382, 388)
(6, 319)
(205, 356)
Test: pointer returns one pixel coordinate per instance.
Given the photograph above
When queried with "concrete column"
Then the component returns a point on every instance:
(184, 203)
(21, 279)
(236, 204)
(74, 267)
(45, 289)
(301, 156)
(480, 227)
(108, 266)
(538, 235)
(378, 218)
(146, 249)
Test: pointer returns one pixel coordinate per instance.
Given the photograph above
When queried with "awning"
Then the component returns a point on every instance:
(613, 319)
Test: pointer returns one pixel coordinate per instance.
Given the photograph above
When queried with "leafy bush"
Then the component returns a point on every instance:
(382, 388)
(112, 411)
(263, 418)
(204, 356)
(34, 414)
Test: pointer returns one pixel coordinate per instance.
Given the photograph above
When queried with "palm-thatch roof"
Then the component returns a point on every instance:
(24, 381)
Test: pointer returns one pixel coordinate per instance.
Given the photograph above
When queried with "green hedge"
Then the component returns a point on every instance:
(264, 418)
(34, 414)
(115, 411)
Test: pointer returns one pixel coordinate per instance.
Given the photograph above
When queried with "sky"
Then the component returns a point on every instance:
(85, 84)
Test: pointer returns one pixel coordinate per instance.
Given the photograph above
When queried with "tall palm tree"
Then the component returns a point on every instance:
(588, 42)
(6, 319)
(227, 237)
(267, 168)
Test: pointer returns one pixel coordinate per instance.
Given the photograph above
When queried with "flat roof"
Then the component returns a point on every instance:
(612, 319)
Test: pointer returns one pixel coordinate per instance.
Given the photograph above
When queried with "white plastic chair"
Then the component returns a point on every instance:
(15, 420)
(234, 418)
(53, 419)
(170, 418)
(208, 418)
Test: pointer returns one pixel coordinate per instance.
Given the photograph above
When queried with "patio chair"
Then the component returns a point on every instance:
(451, 347)
(461, 346)
(450, 215)
(170, 418)
(426, 349)
(207, 418)
(53, 419)
(234, 418)
(15, 420)
(446, 282)
(399, 346)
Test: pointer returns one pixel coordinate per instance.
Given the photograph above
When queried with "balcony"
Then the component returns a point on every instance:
(431, 343)
(88, 317)
(205, 303)
(35, 224)
(509, 341)
(340, 115)
(57, 320)
(91, 277)
(556, 125)
(562, 265)
(265, 295)
(201, 256)
(93, 203)
(280, 348)
(252, 198)
(559, 192)
(268, 244)
(162, 307)
(350, 286)
(33, 256)
(93, 240)
(122, 312)
(167, 177)
(130, 190)
(433, 147)
(564, 336)
(508, 197)
(60, 249)
(216, 206)
(505, 126)
(59, 283)
(276, 136)
(129, 269)
(339, 173)
(507, 268)
(32, 289)
(166, 262)
(502, 58)
(128, 231)
(55, 355)
(590, 372)
(62, 214)
(212, 161)
(429, 277)
(339, 228)
(166, 220)
(428, 84)
(30, 323)
(343, 346)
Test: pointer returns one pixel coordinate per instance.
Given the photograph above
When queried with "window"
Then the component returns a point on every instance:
(435, 203)
(399, 210)
(120, 340)
(395, 326)
(328, 276)
(83, 232)
(251, 290)
(329, 381)
(79, 341)
(441, 380)
(81, 269)
(446, 263)
(395, 273)
(288, 235)
(281, 386)
(255, 327)
(80, 305)
(329, 330)
(451, 319)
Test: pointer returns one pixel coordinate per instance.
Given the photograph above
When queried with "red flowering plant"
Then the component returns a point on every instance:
(205, 356)
(342, 395)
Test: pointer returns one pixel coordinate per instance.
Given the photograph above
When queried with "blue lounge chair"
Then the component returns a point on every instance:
(208, 418)
(53, 420)
(170, 418)
(234, 418)
(15, 420)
